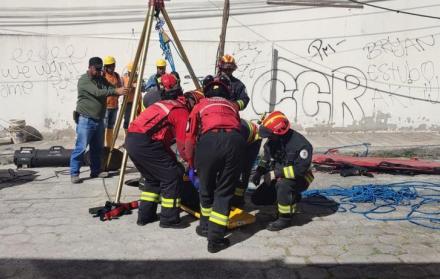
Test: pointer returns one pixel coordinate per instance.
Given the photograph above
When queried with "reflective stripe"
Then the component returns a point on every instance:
(309, 178)
(217, 104)
(288, 172)
(170, 203)
(286, 209)
(271, 119)
(240, 104)
(206, 211)
(251, 130)
(239, 192)
(163, 107)
(149, 196)
(218, 218)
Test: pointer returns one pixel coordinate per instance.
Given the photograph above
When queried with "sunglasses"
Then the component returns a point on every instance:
(99, 69)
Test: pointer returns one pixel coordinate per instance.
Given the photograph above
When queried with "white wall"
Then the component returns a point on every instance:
(353, 68)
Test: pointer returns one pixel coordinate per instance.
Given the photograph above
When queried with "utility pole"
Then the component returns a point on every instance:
(221, 45)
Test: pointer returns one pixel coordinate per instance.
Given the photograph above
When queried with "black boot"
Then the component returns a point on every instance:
(147, 213)
(141, 222)
(174, 225)
(279, 224)
(215, 246)
(203, 232)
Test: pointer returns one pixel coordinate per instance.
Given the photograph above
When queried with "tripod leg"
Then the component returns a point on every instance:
(180, 48)
(131, 78)
(145, 43)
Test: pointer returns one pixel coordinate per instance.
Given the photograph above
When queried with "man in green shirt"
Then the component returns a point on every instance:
(93, 91)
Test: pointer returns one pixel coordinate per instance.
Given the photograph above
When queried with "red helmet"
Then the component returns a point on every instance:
(276, 123)
(171, 88)
(168, 81)
(227, 62)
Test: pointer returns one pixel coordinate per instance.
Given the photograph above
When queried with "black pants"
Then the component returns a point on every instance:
(250, 155)
(218, 162)
(285, 193)
(163, 178)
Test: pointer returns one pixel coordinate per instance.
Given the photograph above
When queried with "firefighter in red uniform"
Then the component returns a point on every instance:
(148, 143)
(215, 124)
(289, 171)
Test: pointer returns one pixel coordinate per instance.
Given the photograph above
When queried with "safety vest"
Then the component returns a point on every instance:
(132, 90)
(218, 113)
(154, 120)
(115, 80)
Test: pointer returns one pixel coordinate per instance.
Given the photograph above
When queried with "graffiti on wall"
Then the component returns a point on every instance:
(55, 67)
(394, 74)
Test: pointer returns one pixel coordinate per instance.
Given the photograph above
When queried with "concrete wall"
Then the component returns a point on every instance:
(338, 68)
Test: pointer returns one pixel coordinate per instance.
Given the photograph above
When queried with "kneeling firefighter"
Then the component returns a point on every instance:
(148, 143)
(215, 124)
(290, 170)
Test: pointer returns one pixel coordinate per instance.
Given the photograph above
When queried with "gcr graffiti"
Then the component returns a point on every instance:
(311, 96)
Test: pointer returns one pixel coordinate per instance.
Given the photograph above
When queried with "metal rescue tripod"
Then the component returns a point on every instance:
(114, 209)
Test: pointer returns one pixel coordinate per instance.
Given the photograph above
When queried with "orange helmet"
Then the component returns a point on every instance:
(276, 123)
(227, 62)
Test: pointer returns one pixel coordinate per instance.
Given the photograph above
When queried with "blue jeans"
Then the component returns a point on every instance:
(88, 132)
(110, 118)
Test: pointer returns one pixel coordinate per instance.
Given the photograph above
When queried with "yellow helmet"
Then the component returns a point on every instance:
(130, 66)
(161, 63)
(109, 60)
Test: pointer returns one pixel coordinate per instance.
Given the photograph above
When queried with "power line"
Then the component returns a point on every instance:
(394, 10)
(326, 67)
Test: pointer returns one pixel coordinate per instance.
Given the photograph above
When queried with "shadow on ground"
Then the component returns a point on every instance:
(308, 209)
(205, 268)
(11, 178)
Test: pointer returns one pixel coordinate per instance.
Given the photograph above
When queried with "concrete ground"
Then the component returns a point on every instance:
(47, 232)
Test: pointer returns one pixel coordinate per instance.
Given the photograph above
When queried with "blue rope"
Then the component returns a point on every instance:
(416, 197)
(165, 45)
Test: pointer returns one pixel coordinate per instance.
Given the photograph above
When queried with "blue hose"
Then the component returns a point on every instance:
(420, 200)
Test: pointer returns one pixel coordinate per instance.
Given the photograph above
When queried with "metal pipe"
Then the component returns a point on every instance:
(180, 48)
(125, 100)
(146, 42)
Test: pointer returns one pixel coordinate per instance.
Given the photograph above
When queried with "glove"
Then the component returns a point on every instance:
(269, 177)
(256, 178)
(194, 178)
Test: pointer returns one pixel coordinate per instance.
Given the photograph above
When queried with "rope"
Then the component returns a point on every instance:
(164, 41)
(417, 201)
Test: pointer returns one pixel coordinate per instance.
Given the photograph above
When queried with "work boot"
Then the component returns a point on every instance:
(174, 225)
(75, 179)
(203, 232)
(279, 224)
(103, 174)
(215, 246)
(141, 222)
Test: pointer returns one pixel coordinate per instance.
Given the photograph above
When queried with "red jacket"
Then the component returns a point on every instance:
(209, 114)
(164, 121)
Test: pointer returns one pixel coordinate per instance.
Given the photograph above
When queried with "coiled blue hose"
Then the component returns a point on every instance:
(420, 201)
